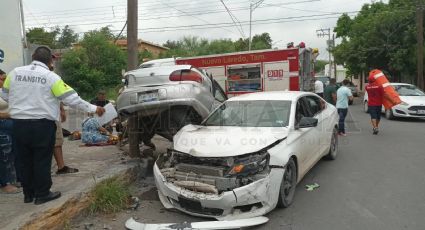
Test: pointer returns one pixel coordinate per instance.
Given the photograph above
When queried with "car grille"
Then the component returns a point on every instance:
(416, 108)
(195, 206)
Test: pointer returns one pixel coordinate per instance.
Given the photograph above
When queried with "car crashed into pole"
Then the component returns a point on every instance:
(247, 157)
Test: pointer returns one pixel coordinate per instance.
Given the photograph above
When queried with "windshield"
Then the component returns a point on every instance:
(408, 90)
(251, 114)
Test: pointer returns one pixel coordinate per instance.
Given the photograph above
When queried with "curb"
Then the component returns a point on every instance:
(65, 210)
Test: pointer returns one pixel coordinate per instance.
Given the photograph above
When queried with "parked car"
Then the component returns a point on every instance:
(167, 97)
(247, 157)
(413, 102)
(352, 87)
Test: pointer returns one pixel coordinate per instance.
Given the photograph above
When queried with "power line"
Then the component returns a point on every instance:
(234, 19)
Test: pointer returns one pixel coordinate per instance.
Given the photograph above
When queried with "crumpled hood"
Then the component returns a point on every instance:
(213, 141)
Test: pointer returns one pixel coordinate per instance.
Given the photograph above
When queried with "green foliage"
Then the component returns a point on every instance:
(97, 64)
(194, 46)
(55, 39)
(109, 196)
(319, 66)
(41, 36)
(66, 38)
(381, 36)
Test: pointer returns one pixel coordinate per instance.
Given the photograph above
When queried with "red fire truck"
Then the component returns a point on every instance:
(256, 71)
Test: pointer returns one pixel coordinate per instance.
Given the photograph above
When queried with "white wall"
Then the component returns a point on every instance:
(11, 35)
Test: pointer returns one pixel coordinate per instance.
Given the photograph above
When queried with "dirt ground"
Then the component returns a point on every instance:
(149, 211)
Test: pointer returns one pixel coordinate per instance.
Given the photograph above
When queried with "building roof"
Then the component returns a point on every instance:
(123, 42)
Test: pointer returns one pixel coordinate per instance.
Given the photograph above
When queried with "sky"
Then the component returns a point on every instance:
(162, 20)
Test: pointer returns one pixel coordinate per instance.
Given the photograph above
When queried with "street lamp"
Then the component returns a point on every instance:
(252, 7)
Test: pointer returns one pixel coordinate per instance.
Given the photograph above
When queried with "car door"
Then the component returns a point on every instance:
(322, 131)
(218, 93)
(300, 139)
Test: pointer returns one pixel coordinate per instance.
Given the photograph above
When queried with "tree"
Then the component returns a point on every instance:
(40, 36)
(66, 38)
(380, 36)
(319, 66)
(95, 65)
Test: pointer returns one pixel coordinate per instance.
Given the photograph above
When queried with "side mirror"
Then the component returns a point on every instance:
(308, 122)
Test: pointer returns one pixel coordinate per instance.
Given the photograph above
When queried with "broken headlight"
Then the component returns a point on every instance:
(249, 164)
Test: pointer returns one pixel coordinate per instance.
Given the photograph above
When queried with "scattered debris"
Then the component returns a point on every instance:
(135, 203)
(225, 224)
(88, 226)
(311, 187)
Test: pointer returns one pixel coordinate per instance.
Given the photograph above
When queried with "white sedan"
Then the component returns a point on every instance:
(247, 157)
(413, 106)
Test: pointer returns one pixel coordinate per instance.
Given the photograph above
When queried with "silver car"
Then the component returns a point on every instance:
(166, 98)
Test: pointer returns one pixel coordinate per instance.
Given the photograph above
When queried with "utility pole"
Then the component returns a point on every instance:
(252, 7)
(420, 39)
(333, 45)
(132, 61)
(322, 33)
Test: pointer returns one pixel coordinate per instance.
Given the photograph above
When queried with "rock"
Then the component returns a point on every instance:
(88, 226)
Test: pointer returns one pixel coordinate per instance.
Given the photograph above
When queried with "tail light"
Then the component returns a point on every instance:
(185, 75)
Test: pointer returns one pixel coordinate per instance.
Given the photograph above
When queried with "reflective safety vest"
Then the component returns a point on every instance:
(34, 92)
(391, 97)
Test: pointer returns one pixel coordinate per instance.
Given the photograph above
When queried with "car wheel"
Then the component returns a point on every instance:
(389, 114)
(288, 185)
(333, 150)
(365, 107)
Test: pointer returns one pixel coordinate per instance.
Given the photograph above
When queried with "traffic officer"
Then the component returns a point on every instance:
(34, 93)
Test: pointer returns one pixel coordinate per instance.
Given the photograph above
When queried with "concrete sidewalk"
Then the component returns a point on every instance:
(94, 163)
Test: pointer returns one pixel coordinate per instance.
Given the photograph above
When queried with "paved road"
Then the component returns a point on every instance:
(377, 182)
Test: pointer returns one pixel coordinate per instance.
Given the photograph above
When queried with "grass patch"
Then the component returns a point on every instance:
(110, 196)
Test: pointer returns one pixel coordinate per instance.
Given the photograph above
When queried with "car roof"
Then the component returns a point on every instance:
(161, 70)
(400, 84)
(271, 96)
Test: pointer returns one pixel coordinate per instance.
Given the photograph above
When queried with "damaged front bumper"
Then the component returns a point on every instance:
(233, 224)
(254, 199)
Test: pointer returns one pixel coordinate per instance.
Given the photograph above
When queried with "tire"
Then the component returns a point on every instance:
(389, 114)
(288, 185)
(333, 150)
(365, 107)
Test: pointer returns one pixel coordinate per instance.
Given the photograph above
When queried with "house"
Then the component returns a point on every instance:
(155, 49)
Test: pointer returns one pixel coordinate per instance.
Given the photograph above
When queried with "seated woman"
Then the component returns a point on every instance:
(93, 133)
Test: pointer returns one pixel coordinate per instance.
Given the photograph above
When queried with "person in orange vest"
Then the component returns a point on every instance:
(375, 97)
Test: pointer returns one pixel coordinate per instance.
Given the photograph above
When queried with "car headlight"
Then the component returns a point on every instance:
(249, 164)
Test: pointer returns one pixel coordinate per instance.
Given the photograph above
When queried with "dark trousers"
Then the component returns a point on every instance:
(7, 156)
(35, 140)
(341, 124)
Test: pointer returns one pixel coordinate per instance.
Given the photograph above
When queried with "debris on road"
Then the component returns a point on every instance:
(135, 203)
(226, 224)
(311, 187)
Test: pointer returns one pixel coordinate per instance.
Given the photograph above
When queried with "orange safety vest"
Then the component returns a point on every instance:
(391, 97)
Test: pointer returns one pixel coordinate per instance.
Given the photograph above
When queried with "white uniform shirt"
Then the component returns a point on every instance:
(34, 92)
(318, 86)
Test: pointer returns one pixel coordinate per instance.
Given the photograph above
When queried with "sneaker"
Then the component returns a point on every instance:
(375, 131)
(66, 170)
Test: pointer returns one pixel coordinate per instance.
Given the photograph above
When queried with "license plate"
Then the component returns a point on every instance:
(147, 97)
(421, 111)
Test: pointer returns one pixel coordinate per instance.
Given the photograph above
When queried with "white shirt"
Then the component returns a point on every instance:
(318, 86)
(30, 91)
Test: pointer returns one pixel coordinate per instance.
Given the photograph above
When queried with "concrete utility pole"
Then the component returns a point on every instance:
(252, 7)
(333, 45)
(322, 33)
(420, 39)
(132, 51)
